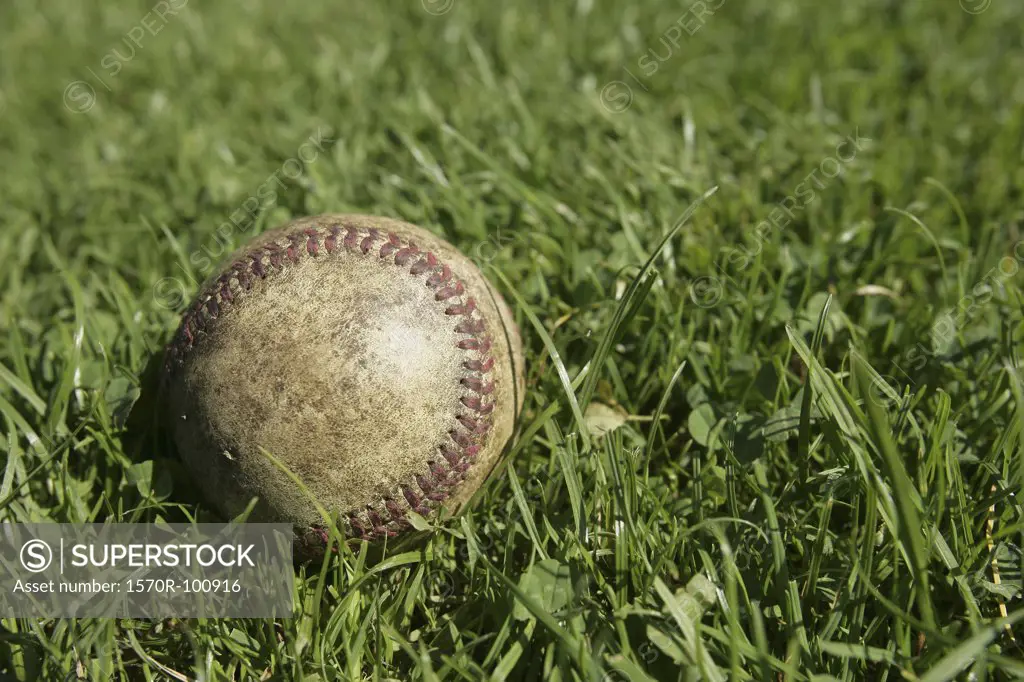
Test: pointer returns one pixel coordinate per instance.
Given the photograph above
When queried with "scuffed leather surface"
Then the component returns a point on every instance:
(346, 368)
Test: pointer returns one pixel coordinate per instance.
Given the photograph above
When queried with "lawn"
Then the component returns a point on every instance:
(766, 256)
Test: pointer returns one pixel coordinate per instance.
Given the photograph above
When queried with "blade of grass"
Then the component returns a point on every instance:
(604, 347)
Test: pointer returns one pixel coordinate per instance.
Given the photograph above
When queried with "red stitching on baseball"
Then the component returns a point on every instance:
(293, 248)
(449, 292)
(403, 255)
(439, 278)
(474, 403)
(482, 345)
(472, 425)
(275, 258)
(356, 524)
(393, 508)
(312, 247)
(479, 366)
(351, 234)
(465, 309)
(461, 439)
(392, 245)
(471, 327)
(444, 474)
(365, 245)
(331, 242)
(477, 385)
(423, 265)
(243, 276)
(452, 456)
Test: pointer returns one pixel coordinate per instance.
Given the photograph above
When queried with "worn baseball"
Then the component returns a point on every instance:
(371, 358)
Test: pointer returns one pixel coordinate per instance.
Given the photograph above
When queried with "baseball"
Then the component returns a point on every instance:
(370, 357)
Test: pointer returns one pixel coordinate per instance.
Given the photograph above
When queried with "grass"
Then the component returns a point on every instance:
(785, 450)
